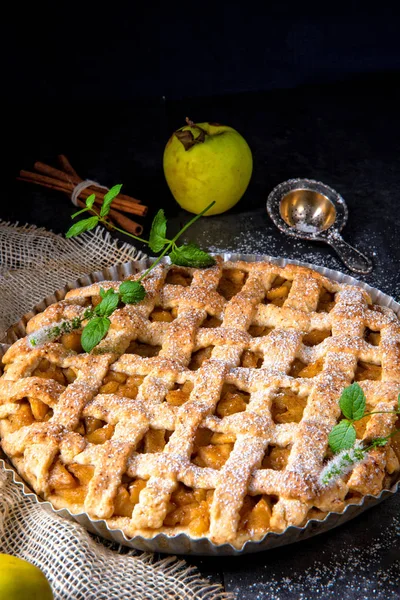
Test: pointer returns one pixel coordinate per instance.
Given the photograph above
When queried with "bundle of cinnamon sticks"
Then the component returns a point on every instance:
(65, 179)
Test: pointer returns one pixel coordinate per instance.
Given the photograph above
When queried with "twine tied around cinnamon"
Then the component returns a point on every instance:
(82, 186)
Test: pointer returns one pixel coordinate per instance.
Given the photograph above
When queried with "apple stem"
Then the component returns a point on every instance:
(187, 138)
(193, 124)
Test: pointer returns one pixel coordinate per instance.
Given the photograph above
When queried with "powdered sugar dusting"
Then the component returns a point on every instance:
(352, 571)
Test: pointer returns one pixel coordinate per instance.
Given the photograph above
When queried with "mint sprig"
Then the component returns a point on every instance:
(132, 292)
(342, 439)
(110, 301)
(90, 200)
(188, 255)
(94, 332)
(49, 333)
(129, 292)
(82, 226)
(353, 402)
(158, 231)
(342, 463)
(108, 198)
(342, 436)
(191, 256)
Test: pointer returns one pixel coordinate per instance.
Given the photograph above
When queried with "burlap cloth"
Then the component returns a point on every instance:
(33, 264)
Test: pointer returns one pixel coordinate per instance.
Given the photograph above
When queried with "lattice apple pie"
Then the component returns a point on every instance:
(206, 408)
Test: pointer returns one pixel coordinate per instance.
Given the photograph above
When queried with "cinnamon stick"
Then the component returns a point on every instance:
(73, 177)
(67, 184)
(125, 223)
(39, 178)
(66, 165)
(51, 186)
(56, 173)
(133, 209)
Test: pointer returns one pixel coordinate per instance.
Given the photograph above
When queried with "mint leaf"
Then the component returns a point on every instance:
(79, 212)
(191, 256)
(352, 402)
(131, 292)
(342, 436)
(128, 287)
(398, 402)
(108, 304)
(158, 232)
(108, 198)
(82, 226)
(94, 332)
(90, 200)
(379, 441)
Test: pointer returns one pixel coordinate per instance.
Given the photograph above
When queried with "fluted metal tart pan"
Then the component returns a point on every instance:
(182, 543)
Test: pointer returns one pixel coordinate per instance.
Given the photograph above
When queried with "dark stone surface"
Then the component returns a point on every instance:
(346, 135)
(359, 560)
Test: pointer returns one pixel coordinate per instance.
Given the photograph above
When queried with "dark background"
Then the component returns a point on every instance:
(315, 92)
(119, 51)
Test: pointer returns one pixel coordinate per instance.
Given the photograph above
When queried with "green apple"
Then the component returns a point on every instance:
(20, 580)
(205, 162)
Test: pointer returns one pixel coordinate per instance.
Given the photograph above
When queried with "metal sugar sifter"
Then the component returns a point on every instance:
(310, 210)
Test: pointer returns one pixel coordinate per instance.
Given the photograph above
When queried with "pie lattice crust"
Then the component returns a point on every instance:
(207, 407)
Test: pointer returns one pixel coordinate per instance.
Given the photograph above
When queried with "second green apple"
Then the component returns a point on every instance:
(205, 162)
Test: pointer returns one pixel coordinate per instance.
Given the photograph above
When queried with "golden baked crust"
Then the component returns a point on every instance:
(207, 407)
